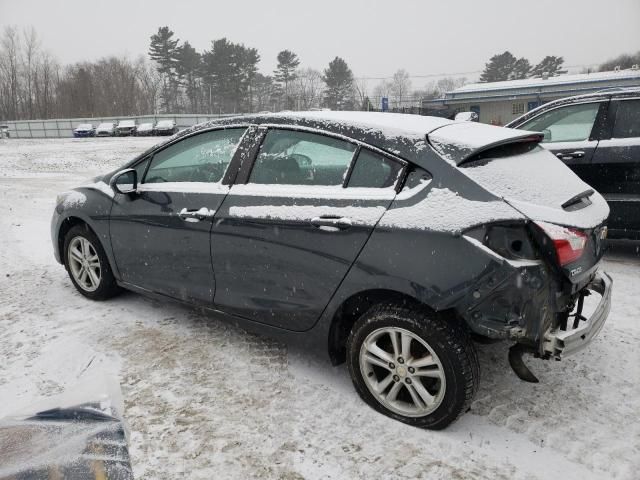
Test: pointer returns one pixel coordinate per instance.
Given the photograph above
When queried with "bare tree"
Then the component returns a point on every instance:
(362, 93)
(400, 87)
(150, 83)
(10, 47)
(307, 88)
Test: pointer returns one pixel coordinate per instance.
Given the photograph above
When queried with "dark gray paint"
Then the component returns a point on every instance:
(283, 277)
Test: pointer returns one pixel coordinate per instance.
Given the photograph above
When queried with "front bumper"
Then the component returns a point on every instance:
(559, 343)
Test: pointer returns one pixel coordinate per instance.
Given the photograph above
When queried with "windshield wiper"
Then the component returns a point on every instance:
(578, 198)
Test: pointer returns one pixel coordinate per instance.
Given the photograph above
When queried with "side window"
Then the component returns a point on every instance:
(374, 171)
(627, 124)
(200, 158)
(288, 157)
(565, 124)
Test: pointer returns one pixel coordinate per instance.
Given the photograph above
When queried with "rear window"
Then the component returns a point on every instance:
(627, 123)
(372, 170)
(290, 157)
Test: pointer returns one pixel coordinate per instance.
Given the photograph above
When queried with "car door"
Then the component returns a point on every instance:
(290, 229)
(160, 235)
(570, 132)
(617, 164)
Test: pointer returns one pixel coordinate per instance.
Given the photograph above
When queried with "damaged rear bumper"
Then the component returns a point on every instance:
(558, 343)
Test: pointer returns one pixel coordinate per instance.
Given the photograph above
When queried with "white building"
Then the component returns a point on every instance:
(500, 102)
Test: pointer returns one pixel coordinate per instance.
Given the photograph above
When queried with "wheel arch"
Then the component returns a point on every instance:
(67, 224)
(352, 308)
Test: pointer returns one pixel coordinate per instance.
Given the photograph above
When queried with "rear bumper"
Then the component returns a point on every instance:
(559, 343)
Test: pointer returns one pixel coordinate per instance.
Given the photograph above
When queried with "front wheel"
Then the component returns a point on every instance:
(87, 264)
(413, 366)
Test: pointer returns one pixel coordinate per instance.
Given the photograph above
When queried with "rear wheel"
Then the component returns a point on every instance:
(413, 366)
(87, 264)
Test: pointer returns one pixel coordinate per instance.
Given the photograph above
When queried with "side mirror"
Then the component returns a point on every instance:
(125, 181)
(546, 135)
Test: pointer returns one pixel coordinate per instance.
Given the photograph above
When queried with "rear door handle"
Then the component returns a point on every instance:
(570, 155)
(334, 221)
(196, 215)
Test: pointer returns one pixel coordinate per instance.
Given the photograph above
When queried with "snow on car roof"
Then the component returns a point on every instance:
(392, 123)
(127, 123)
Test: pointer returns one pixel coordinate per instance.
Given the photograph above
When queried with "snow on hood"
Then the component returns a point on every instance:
(538, 184)
(457, 142)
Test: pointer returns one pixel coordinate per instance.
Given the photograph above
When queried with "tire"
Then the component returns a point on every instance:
(77, 238)
(442, 362)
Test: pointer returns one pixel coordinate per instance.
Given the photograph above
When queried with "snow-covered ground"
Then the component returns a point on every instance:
(207, 400)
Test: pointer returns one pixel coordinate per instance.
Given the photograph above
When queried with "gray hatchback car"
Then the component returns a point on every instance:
(387, 241)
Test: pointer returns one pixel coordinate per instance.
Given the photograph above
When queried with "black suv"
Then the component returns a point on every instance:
(598, 137)
(385, 240)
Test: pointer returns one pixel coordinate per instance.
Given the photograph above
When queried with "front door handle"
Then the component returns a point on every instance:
(196, 215)
(334, 221)
(570, 155)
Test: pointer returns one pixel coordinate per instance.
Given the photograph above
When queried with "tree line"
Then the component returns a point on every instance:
(177, 78)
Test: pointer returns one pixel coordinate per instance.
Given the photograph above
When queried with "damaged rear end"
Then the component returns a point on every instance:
(549, 260)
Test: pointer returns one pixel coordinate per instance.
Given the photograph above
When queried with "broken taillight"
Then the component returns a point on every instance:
(569, 243)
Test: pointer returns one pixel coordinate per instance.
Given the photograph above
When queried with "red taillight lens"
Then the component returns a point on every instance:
(569, 243)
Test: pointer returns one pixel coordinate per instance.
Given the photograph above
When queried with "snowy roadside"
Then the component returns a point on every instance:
(204, 399)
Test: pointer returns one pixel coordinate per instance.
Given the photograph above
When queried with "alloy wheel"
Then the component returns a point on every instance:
(402, 371)
(84, 264)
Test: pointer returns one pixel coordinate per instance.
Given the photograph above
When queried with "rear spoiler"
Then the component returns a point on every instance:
(462, 142)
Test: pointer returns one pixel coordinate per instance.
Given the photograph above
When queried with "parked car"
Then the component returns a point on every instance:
(386, 240)
(144, 129)
(126, 128)
(84, 130)
(4, 131)
(467, 117)
(165, 127)
(107, 129)
(598, 137)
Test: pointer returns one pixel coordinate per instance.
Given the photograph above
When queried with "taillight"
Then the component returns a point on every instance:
(569, 243)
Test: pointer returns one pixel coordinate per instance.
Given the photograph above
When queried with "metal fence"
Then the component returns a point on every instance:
(63, 127)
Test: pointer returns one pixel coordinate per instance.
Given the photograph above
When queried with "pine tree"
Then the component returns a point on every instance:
(521, 69)
(163, 50)
(339, 79)
(549, 65)
(285, 73)
(498, 68)
(188, 68)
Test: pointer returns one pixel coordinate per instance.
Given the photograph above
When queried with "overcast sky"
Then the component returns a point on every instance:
(375, 37)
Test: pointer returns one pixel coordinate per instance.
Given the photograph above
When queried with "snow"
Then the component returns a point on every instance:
(537, 184)
(313, 191)
(443, 210)
(458, 141)
(358, 215)
(557, 80)
(204, 399)
(73, 199)
(389, 124)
